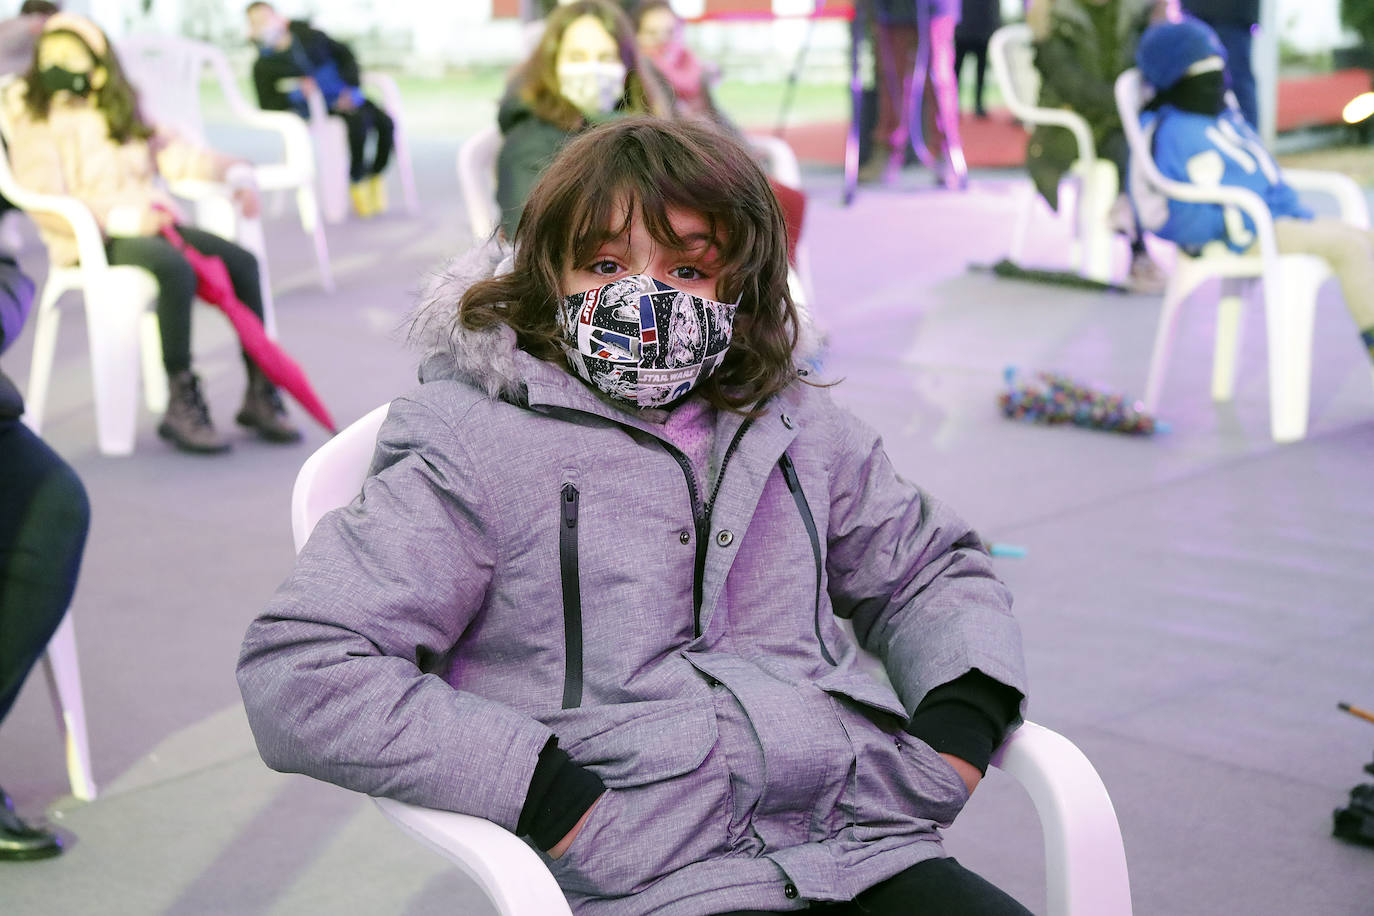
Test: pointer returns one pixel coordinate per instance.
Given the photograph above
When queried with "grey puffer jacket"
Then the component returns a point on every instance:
(524, 562)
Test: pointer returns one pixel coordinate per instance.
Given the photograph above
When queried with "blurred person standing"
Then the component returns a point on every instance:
(292, 56)
(1081, 47)
(1234, 22)
(978, 20)
(44, 516)
(897, 35)
(658, 31)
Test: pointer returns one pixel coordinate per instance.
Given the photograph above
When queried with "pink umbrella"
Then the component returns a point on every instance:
(213, 285)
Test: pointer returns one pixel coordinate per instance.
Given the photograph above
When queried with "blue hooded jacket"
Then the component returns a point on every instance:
(1203, 149)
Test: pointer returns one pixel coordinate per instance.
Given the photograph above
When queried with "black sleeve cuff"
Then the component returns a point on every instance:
(560, 793)
(967, 717)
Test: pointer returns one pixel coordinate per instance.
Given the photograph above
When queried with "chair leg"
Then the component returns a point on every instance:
(155, 394)
(1022, 225)
(307, 205)
(64, 679)
(114, 313)
(405, 167)
(331, 167)
(1098, 193)
(1289, 325)
(46, 324)
(1226, 356)
(1181, 285)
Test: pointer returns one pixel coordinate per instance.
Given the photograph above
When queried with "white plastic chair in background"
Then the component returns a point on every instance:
(1085, 859)
(64, 680)
(329, 136)
(1011, 54)
(477, 180)
(1287, 283)
(167, 72)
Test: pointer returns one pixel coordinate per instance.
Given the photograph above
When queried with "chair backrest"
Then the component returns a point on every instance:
(332, 476)
(167, 71)
(477, 181)
(1013, 64)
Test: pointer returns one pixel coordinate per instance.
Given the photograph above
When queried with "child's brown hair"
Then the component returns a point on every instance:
(640, 168)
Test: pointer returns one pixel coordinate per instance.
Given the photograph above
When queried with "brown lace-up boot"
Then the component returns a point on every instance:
(187, 421)
(262, 410)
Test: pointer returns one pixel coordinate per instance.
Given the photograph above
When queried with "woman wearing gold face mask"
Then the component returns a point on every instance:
(585, 69)
(76, 130)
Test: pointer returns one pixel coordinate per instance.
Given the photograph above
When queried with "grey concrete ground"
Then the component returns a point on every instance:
(1194, 604)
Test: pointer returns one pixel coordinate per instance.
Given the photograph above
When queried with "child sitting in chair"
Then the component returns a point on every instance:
(1198, 136)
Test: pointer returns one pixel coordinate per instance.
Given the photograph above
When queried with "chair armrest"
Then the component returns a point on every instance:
(90, 241)
(506, 869)
(386, 85)
(1085, 857)
(1348, 194)
(1018, 35)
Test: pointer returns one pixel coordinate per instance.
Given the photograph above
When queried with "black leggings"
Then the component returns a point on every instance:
(176, 282)
(43, 520)
(361, 121)
(934, 886)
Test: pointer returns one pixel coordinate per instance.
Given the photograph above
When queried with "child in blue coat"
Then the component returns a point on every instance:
(1198, 137)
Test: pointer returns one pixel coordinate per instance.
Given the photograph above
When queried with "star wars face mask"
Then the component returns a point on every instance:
(642, 341)
(593, 86)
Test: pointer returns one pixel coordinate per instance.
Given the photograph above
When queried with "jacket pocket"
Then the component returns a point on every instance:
(632, 744)
(901, 785)
(569, 505)
(667, 804)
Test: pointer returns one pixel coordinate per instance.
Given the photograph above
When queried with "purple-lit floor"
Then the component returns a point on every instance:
(1194, 605)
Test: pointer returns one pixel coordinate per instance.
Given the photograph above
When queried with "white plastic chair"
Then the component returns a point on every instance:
(1084, 855)
(167, 71)
(1011, 54)
(64, 680)
(477, 181)
(330, 138)
(1287, 283)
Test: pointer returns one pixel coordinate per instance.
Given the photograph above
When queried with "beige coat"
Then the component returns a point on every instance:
(71, 154)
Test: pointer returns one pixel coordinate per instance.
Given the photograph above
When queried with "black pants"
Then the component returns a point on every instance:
(44, 516)
(978, 47)
(176, 282)
(367, 119)
(934, 886)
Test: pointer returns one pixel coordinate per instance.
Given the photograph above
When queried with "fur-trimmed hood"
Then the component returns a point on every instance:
(489, 359)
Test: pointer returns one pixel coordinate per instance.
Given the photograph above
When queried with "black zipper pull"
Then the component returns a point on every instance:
(569, 505)
(789, 473)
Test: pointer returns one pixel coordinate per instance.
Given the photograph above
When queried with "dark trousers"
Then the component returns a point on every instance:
(176, 282)
(363, 121)
(1236, 40)
(44, 516)
(934, 886)
(978, 47)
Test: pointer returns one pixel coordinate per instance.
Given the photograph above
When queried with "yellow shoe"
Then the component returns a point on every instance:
(362, 198)
(376, 186)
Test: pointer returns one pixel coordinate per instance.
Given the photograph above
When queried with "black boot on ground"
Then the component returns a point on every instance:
(18, 841)
(187, 422)
(262, 410)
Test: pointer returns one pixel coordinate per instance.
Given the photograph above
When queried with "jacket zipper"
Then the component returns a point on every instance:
(572, 597)
(789, 475)
(701, 516)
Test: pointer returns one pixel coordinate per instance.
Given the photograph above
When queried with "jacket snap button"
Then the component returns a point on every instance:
(725, 538)
(789, 891)
(787, 421)
(685, 538)
(712, 682)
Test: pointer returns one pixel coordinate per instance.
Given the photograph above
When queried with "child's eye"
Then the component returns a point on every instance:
(688, 272)
(603, 268)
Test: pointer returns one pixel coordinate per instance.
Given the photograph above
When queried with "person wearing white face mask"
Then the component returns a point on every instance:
(583, 70)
